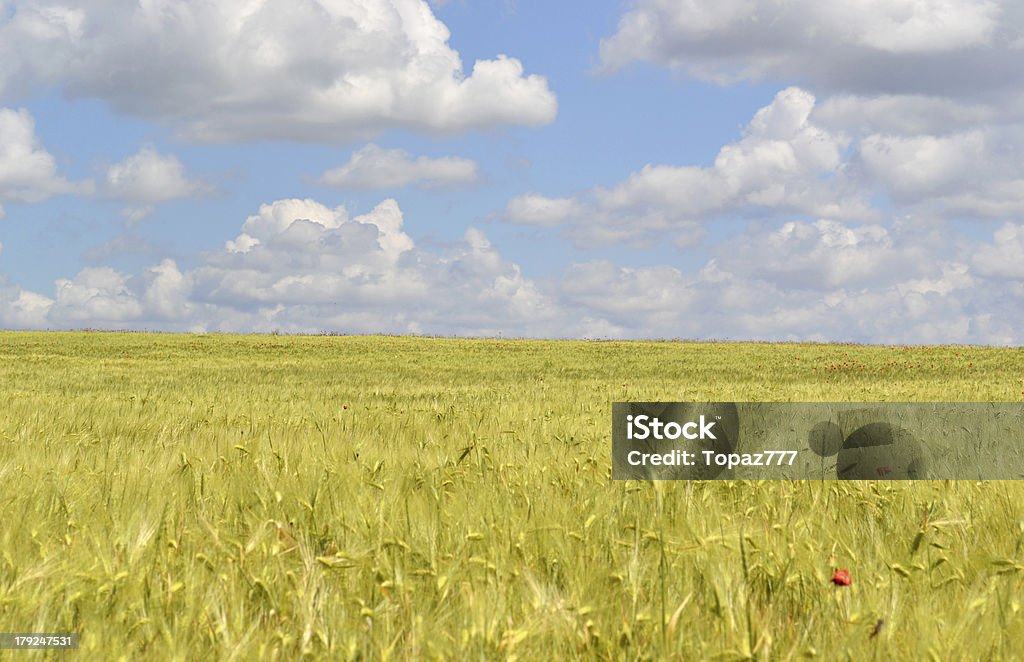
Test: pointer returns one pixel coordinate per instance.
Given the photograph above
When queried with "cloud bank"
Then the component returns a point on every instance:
(300, 266)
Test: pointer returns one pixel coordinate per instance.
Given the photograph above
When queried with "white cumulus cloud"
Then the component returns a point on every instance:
(149, 177)
(827, 255)
(300, 266)
(792, 160)
(976, 172)
(95, 296)
(783, 163)
(28, 173)
(534, 209)
(303, 70)
(21, 309)
(1004, 256)
(955, 48)
(372, 167)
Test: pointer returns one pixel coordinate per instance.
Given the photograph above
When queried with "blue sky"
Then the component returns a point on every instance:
(743, 170)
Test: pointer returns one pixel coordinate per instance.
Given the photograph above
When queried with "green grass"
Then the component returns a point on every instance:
(208, 497)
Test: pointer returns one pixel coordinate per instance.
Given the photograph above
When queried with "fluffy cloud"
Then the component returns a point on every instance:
(323, 269)
(305, 70)
(945, 47)
(783, 164)
(907, 114)
(796, 158)
(375, 168)
(96, 296)
(299, 266)
(148, 178)
(21, 309)
(824, 255)
(28, 173)
(1004, 256)
(622, 300)
(922, 165)
(971, 173)
(780, 163)
(534, 209)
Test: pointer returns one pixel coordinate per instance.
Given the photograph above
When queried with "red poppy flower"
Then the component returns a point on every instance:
(841, 577)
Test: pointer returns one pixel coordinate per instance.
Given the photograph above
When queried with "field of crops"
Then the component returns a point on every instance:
(240, 497)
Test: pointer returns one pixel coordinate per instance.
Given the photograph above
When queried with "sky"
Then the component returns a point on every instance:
(848, 171)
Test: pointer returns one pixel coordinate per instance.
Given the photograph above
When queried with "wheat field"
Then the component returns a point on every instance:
(267, 497)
